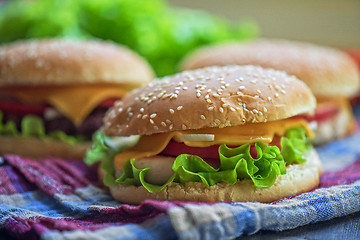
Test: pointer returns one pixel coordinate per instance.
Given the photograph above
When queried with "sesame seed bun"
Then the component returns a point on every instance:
(328, 72)
(298, 179)
(68, 62)
(209, 97)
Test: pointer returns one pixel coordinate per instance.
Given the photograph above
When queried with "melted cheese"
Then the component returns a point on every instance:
(250, 133)
(74, 102)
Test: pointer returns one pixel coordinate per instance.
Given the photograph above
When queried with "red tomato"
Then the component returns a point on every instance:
(209, 154)
(355, 54)
(21, 109)
(108, 102)
(323, 112)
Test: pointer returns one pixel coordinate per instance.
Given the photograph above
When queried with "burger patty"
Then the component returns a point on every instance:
(92, 122)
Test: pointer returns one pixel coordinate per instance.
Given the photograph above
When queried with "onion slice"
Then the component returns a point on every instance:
(194, 137)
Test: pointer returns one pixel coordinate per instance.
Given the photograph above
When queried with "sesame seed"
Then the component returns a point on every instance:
(207, 96)
(255, 111)
(142, 110)
(152, 121)
(216, 95)
(174, 96)
(176, 91)
(144, 116)
(198, 94)
(130, 114)
(153, 115)
(211, 108)
(221, 109)
(128, 109)
(185, 88)
(242, 87)
(156, 127)
(209, 90)
(283, 91)
(217, 121)
(179, 108)
(253, 81)
(171, 126)
(265, 109)
(138, 116)
(232, 109)
(167, 121)
(120, 110)
(171, 111)
(202, 117)
(163, 124)
(208, 100)
(258, 91)
(227, 84)
(225, 105)
(269, 98)
(276, 95)
(183, 127)
(223, 87)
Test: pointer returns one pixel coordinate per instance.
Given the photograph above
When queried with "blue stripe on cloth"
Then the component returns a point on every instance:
(153, 229)
(339, 153)
(223, 221)
(37, 203)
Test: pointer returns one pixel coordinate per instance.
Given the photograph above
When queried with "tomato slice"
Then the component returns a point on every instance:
(354, 54)
(323, 112)
(108, 102)
(21, 109)
(209, 154)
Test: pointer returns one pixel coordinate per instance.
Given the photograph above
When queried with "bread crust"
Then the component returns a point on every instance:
(209, 97)
(298, 179)
(40, 148)
(53, 62)
(328, 72)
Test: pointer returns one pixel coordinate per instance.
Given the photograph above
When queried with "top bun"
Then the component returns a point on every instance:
(328, 72)
(209, 97)
(69, 62)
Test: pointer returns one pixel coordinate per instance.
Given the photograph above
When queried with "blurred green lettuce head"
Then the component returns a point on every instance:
(160, 33)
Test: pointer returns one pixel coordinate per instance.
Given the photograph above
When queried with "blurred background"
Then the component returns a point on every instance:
(164, 31)
(330, 22)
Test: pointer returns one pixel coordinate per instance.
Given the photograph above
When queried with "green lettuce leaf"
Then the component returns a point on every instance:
(235, 164)
(104, 150)
(33, 126)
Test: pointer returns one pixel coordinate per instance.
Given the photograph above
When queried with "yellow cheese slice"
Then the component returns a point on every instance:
(74, 102)
(249, 133)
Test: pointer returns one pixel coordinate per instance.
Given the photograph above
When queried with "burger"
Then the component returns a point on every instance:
(55, 92)
(331, 75)
(212, 134)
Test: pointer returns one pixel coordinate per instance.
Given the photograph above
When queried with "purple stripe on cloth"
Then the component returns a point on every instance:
(52, 175)
(11, 181)
(347, 175)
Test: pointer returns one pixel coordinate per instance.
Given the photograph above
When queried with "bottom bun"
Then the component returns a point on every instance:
(298, 179)
(40, 148)
(339, 126)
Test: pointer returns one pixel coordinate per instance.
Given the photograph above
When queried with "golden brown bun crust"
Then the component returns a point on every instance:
(39, 148)
(67, 62)
(209, 97)
(298, 179)
(328, 72)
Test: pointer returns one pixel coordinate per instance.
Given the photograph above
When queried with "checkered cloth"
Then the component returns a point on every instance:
(59, 199)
